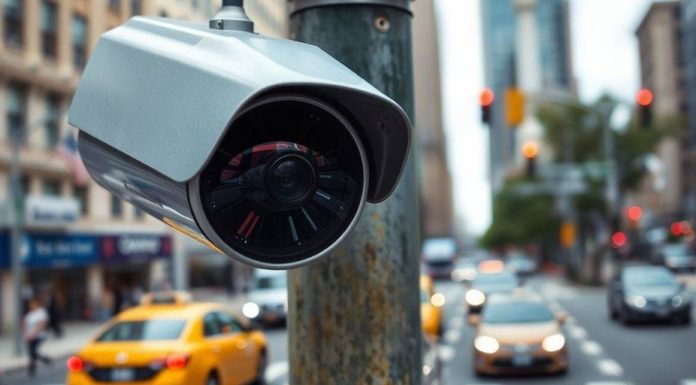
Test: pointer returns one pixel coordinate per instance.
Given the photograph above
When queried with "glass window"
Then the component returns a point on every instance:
(516, 312)
(115, 5)
(49, 28)
(649, 276)
(136, 7)
(51, 188)
(139, 214)
(116, 207)
(80, 193)
(228, 324)
(12, 14)
(279, 281)
(52, 126)
(211, 325)
(151, 330)
(16, 102)
(79, 37)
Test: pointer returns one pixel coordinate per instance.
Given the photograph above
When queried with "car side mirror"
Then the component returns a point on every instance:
(562, 317)
(474, 320)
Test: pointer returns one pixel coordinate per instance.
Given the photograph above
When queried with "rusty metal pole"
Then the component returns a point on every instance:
(354, 317)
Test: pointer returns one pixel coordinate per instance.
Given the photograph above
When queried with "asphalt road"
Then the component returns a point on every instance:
(601, 352)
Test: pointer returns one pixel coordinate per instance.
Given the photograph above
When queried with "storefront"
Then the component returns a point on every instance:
(75, 269)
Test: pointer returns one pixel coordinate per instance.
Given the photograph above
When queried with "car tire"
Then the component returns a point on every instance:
(624, 317)
(212, 379)
(261, 370)
(613, 315)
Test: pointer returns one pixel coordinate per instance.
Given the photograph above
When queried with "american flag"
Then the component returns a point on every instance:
(67, 149)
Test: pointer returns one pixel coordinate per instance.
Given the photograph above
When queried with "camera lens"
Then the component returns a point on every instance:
(290, 179)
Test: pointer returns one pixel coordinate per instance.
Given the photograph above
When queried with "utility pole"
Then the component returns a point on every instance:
(354, 317)
(13, 211)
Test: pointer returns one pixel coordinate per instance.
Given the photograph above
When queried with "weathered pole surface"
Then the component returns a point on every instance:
(354, 317)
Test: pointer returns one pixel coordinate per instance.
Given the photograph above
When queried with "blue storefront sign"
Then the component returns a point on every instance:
(59, 250)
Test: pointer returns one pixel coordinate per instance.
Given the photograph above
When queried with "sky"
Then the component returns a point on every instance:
(605, 59)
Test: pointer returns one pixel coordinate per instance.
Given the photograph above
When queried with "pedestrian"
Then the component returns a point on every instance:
(35, 325)
(55, 314)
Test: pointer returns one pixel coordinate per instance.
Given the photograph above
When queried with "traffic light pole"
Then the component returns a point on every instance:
(354, 317)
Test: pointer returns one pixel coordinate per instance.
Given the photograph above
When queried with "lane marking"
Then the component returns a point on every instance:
(453, 336)
(609, 367)
(577, 332)
(276, 370)
(591, 348)
(446, 353)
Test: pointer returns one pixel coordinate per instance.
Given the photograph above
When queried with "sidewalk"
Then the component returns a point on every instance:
(75, 335)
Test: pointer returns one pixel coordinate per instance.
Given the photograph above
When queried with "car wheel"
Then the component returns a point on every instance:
(624, 317)
(261, 370)
(612, 313)
(212, 379)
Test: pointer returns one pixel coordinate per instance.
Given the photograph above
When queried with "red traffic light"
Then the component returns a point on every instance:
(644, 97)
(635, 213)
(487, 97)
(619, 239)
(530, 150)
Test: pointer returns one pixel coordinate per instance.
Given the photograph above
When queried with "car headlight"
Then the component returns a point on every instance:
(250, 310)
(678, 300)
(553, 343)
(475, 297)
(486, 344)
(437, 299)
(637, 301)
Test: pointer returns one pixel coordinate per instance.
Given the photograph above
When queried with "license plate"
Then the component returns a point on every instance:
(521, 360)
(122, 375)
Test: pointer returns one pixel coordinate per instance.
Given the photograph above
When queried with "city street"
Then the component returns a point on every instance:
(601, 351)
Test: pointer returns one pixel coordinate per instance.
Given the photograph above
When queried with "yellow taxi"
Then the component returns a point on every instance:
(170, 340)
(431, 307)
(518, 333)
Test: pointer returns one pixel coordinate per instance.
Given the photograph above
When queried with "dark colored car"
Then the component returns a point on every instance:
(678, 257)
(644, 293)
(486, 284)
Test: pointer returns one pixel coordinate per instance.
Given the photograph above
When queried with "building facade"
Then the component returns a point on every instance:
(662, 71)
(80, 244)
(436, 182)
(689, 76)
(499, 23)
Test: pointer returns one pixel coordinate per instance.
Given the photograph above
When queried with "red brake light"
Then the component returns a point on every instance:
(75, 364)
(176, 361)
(487, 97)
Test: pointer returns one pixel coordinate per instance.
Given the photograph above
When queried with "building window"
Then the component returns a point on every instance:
(139, 214)
(12, 11)
(49, 29)
(51, 188)
(79, 37)
(16, 104)
(24, 185)
(80, 193)
(52, 126)
(136, 7)
(115, 5)
(116, 207)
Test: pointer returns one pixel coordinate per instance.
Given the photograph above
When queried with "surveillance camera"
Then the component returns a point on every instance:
(263, 149)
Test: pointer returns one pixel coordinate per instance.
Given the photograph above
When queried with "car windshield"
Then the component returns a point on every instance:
(271, 282)
(676, 250)
(516, 312)
(150, 330)
(649, 277)
(496, 279)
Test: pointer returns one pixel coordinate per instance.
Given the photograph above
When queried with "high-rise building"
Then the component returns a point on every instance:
(689, 77)
(79, 242)
(499, 20)
(436, 183)
(661, 66)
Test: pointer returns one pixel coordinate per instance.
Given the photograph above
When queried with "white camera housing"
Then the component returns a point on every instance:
(264, 149)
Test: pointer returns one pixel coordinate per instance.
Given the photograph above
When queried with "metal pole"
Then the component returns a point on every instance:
(354, 317)
(15, 198)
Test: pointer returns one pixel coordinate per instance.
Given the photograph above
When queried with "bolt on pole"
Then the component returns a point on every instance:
(354, 317)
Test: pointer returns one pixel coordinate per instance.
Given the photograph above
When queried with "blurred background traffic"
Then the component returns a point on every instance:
(548, 211)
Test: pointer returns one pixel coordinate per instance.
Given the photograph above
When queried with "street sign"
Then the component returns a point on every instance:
(47, 211)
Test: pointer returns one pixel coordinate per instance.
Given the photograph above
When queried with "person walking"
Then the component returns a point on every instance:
(55, 314)
(35, 325)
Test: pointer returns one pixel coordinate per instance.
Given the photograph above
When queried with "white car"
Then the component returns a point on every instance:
(267, 299)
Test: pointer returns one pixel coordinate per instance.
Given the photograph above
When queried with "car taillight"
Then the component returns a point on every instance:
(75, 364)
(176, 361)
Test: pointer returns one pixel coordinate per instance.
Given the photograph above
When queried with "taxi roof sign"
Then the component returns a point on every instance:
(166, 298)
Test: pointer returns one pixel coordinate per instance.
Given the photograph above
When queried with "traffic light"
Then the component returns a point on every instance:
(486, 98)
(635, 214)
(530, 151)
(514, 107)
(619, 239)
(644, 99)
